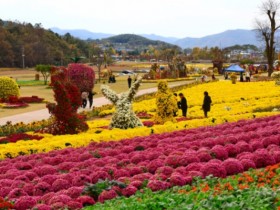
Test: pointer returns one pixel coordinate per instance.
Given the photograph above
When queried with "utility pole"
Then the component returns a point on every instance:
(22, 53)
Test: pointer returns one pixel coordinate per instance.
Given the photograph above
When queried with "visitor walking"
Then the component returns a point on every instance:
(84, 99)
(129, 81)
(247, 76)
(184, 105)
(90, 98)
(206, 103)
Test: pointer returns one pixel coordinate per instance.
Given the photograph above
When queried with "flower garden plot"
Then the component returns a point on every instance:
(157, 162)
(235, 102)
(254, 189)
(228, 100)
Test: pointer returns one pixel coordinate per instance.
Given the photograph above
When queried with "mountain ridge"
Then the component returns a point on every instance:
(224, 39)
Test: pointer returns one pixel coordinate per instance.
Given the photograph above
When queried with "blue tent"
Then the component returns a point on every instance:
(234, 68)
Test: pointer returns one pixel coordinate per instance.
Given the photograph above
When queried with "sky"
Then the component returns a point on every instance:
(173, 18)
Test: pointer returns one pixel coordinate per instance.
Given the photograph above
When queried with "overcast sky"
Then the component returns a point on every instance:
(177, 18)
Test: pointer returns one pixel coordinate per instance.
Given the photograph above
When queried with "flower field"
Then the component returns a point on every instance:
(156, 166)
(157, 162)
(235, 102)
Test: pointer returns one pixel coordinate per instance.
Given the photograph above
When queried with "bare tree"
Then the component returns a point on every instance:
(266, 29)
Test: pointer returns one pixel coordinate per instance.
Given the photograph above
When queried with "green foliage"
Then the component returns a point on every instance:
(38, 45)
(94, 190)
(8, 87)
(45, 70)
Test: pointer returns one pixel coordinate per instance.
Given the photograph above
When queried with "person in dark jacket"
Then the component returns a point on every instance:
(206, 103)
(90, 98)
(129, 80)
(184, 105)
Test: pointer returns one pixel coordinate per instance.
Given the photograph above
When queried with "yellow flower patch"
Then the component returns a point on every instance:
(231, 102)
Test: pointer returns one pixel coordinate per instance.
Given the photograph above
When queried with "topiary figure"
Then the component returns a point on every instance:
(166, 104)
(8, 87)
(124, 117)
(68, 100)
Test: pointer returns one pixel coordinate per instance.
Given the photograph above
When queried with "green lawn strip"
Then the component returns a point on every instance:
(196, 197)
(29, 82)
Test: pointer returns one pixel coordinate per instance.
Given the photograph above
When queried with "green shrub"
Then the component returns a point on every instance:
(8, 87)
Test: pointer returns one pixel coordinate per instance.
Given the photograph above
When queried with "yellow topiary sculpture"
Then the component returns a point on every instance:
(8, 87)
(166, 104)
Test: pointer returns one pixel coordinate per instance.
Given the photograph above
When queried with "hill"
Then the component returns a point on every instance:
(26, 45)
(224, 39)
(80, 33)
(132, 42)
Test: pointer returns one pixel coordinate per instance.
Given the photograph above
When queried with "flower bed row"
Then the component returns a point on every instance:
(159, 162)
(254, 189)
(230, 105)
(99, 133)
(18, 102)
(232, 100)
(19, 136)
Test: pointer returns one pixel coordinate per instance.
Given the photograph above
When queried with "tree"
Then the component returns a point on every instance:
(267, 28)
(45, 70)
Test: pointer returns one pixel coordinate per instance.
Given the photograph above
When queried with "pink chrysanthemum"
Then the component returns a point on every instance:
(99, 175)
(244, 146)
(204, 156)
(60, 198)
(194, 174)
(232, 166)
(137, 184)
(214, 169)
(232, 150)
(188, 159)
(73, 205)
(107, 195)
(60, 184)
(247, 164)
(74, 192)
(17, 193)
(121, 173)
(177, 179)
(129, 190)
(85, 200)
(44, 170)
(80, 180)
(4, 191)
(166, 170)
(25, 202)
(263, 159)
(256, 144)
(154, 165)
(156, 185)
(270, 140)
(219, 152)
(42, 188)
(42, 207)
